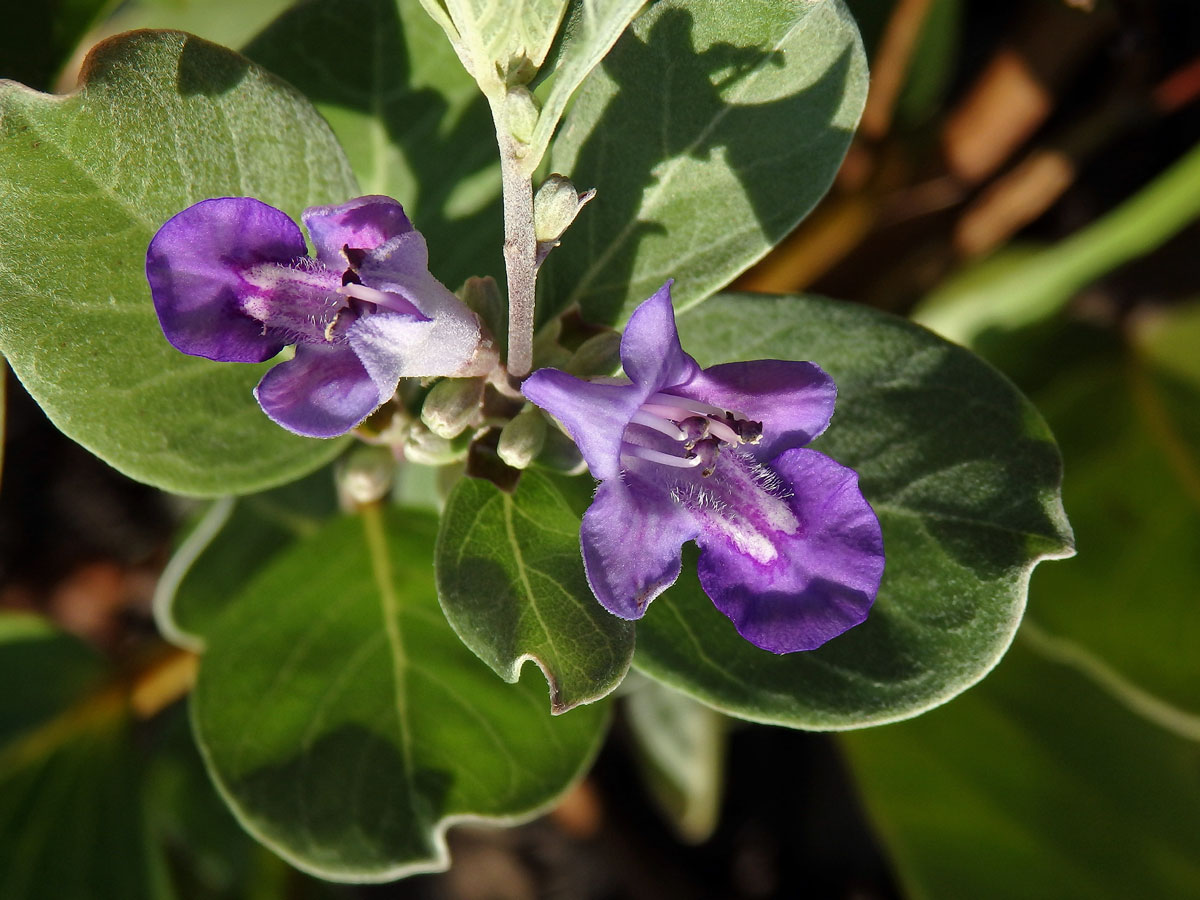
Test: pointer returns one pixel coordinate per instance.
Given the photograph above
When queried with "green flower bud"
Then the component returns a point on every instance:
(426, 448)
(598, 355)
(482, 296)
(555, 207)
(365, 475)
(452, 406)
(521, 111)
(522, 439)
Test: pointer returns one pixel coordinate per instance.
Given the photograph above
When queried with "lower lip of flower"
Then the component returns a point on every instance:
(700, 430)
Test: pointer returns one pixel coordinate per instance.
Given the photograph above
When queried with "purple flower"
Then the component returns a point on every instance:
(232, 281)
(789, 549)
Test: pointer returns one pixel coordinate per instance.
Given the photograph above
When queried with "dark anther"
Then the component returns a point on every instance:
(350, 277)
(354, 256)
(748, 431)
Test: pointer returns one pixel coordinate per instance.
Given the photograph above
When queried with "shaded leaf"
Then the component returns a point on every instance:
(752, 108)
(164, 120)
(348, 726)
(681, 746)
(226, 544)
(1129, 600)
(1034, 785)
(964, 476)
(511, 581)
(70, 814)
(39, 38)
(230, 23)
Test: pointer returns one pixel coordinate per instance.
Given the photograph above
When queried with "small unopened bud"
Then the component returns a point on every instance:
(452, 405)
(424, 447)
(522, 439)
(598, 355)
(521, 113)
(555, 207)
(365, 475)
(482, 296)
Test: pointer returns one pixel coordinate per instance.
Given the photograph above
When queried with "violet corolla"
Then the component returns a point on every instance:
(790, 550)
(232, 281)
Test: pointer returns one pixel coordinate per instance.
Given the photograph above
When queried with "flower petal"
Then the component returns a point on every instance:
(793, 400)
(816, 579)
(194, 263)
(321, 392)
(392, 346)
(632, 535)
(650, 349)
(363, 223)
(594, 414)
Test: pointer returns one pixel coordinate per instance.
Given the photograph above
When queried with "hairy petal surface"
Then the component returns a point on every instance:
(321, 392)
(792, 585)
(632, 537)
(194, 265)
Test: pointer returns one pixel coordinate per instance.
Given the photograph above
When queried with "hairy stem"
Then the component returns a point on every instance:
(520, 254)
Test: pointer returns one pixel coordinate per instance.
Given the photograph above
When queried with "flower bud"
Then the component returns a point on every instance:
(452, 405)
(482, 296)
(522, 439)
(555, 207)
(521, 113)
(598, 355)
(365, 475)
(428, 449)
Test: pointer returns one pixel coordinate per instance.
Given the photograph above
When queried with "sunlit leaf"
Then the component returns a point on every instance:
(164, 120)
(709, 131)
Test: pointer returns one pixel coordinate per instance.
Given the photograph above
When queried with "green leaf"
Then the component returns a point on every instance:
(348, 726)
(163, 120)
(227, 22)
(1127, 606)
(226, 545)
(511, 582)
(493, 38)
(412, 122)
(751, 109)
(589, 31)
(681, 749)
(1034, 785)
(964, 476)
(70, 814)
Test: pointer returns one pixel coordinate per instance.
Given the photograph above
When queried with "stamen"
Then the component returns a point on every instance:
(687, 403)
(659, 424)
(666, 459)
(381, 298)
(362, 292)
(707, 452)
(695, 427)
(720, 430)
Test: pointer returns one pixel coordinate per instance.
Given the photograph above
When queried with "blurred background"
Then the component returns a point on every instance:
(1025, 181)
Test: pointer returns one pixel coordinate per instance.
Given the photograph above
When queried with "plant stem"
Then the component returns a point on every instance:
(520, 254)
